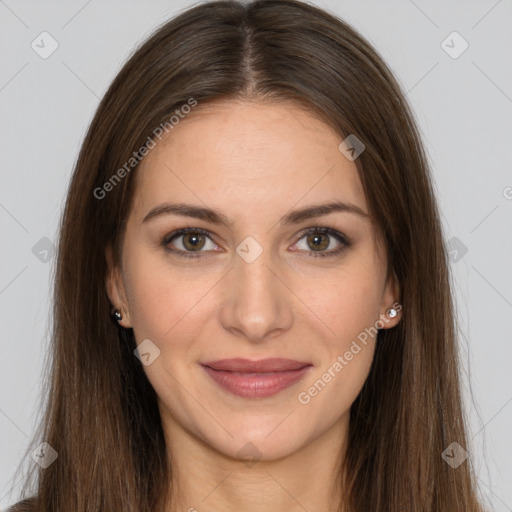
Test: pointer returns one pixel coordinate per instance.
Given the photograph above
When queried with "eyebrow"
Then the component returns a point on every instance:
(216, 217)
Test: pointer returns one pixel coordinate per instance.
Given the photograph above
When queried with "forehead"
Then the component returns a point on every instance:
(243, 155)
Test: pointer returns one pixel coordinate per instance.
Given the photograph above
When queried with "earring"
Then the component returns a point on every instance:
(392, 312)
(117, 315)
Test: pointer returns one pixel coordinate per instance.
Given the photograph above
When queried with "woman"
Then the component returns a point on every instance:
(252, 300)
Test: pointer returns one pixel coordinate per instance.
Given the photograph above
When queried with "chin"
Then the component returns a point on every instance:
(256, 438)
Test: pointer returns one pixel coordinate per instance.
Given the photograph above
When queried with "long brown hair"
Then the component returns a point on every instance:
(101, 414)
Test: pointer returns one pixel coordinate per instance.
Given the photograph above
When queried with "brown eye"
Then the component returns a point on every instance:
(193, 241)
(318, 241)
(188, 242)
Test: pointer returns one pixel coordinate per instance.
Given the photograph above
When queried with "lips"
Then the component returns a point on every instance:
(256, 379)
(261, 366)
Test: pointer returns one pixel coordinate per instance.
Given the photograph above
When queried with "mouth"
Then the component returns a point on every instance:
(256, 379)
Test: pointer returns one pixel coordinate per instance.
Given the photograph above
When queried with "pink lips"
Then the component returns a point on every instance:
(255, 379)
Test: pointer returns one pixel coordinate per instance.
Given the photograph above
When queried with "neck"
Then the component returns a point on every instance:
(205, 480)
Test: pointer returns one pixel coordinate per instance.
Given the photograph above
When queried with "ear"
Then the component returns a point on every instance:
(390, 299)
(115, 288)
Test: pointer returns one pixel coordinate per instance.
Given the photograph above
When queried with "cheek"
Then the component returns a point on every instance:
(346, 308)
(345, 302)
(345, 339)
(330, 394)
(165, 301)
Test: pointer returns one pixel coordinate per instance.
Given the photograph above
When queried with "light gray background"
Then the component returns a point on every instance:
(463, 107)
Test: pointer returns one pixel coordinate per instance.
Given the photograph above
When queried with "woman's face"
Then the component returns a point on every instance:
(258, 285)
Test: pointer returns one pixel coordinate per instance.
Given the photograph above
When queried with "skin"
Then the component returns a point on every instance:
(254, 162)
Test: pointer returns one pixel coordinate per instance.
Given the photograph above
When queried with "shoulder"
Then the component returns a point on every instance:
(26, 505)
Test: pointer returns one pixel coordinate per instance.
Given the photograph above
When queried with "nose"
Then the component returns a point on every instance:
(257, 303)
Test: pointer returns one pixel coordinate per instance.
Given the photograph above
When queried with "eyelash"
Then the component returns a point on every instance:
(340, 237)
